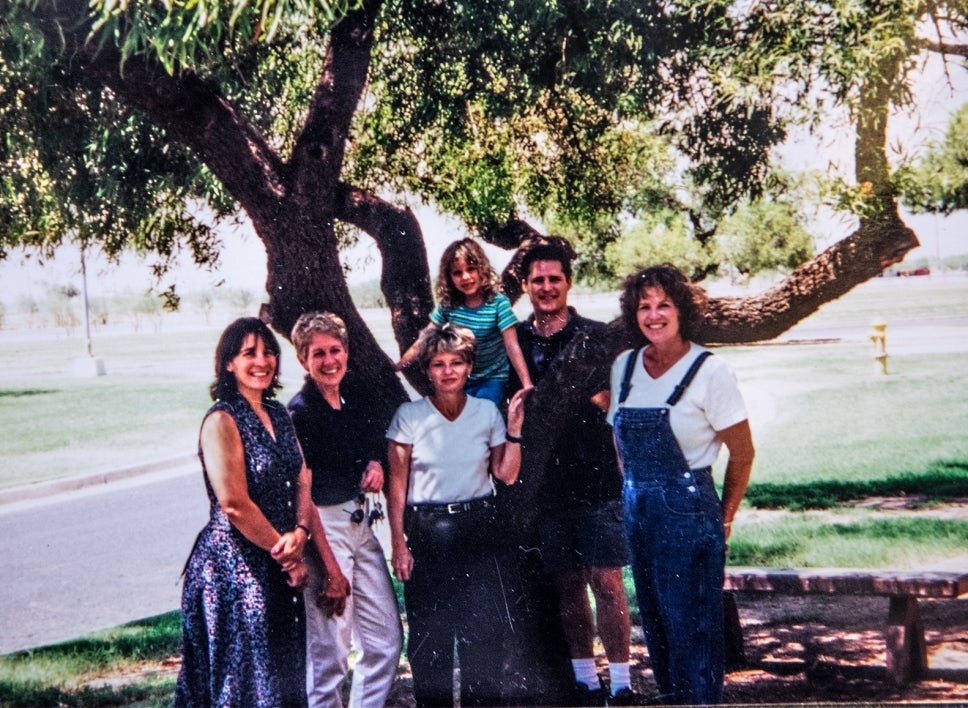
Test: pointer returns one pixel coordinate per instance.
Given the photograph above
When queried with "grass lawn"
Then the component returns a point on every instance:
(819, 413)
(146, 408)
(73, 673)
(817, 410)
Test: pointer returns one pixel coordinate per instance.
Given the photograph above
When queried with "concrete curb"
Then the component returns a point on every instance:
(70, 484)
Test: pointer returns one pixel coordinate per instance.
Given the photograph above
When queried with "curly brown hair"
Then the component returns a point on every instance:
(472, 253)
(689, 299)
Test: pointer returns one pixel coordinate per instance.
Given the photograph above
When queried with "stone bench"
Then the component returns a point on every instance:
(906, 650)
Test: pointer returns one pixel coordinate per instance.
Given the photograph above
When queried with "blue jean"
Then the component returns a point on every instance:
(674, 524)
(491, 389)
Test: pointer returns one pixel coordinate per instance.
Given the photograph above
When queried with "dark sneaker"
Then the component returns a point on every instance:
(585, 696)
(625, 697)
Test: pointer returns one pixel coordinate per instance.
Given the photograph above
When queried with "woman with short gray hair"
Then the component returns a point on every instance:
(344, 447)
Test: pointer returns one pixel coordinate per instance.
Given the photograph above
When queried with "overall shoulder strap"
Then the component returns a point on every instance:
(687, 379)
(627, 376)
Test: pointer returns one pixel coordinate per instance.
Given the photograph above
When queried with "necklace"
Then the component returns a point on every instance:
(548, 326)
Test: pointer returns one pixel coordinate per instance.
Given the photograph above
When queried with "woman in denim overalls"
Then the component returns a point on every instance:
(673, 406)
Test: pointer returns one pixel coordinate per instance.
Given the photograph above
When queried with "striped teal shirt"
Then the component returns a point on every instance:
(487, 322)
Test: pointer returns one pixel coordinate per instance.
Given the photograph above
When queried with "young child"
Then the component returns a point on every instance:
(468, 295)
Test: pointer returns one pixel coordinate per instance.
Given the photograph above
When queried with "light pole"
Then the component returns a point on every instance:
(87, 365)
(87, 308)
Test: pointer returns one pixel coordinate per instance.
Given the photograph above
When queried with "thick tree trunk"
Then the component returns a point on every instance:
(405, 277)
(305, 274)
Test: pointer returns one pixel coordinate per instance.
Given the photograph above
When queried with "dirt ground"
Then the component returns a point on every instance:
(831, 649)
(799, 650)
(821, 650)
(816, 649)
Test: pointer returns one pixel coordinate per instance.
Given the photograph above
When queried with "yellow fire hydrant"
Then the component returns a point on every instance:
(878, 337)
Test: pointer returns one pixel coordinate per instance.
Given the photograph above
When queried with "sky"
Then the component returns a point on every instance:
(243, 261)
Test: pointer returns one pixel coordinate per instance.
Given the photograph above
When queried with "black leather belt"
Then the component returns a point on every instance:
(453, 507)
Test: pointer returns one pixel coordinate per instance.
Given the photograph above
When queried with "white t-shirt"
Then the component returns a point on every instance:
(449, 460)
(711, 402)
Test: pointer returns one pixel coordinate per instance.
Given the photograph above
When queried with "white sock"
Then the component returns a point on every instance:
(586, 673)
(619, 677)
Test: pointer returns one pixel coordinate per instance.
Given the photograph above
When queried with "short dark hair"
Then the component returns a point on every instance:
(225, 387)
(559, 250)
(689, 299)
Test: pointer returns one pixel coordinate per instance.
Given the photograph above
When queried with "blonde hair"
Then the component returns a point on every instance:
(310, 324)
(472, 253)
(446, 338)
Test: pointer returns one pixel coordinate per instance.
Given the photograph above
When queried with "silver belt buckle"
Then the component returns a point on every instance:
(455, 507)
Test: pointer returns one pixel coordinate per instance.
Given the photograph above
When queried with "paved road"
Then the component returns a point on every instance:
(97, 557)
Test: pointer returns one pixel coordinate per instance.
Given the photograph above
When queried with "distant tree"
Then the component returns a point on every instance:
(661, 237)
(939, 183)
(764, 235)
(205, 303)
(146, 307)
(27, 305)
(242, 302)
(58, 306)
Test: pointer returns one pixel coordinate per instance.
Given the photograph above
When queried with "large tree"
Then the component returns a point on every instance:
(310, 115)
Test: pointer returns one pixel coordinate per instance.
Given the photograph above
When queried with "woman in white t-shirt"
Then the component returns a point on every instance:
(673, 406)
(444, 451)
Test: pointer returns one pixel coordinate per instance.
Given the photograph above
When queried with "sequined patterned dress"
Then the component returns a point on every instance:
(243, 626)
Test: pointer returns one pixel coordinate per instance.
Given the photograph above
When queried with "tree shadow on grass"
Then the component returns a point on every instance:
(24, 392)
(942, 480)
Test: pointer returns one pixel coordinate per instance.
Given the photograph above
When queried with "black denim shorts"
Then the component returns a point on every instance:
(592, 536)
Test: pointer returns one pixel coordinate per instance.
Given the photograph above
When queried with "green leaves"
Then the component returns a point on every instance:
(190, 34)
(940, 181)
(77, 164)
(598, 118)
(765, 235)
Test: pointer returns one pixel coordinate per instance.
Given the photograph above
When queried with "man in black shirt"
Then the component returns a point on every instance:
(581, 528)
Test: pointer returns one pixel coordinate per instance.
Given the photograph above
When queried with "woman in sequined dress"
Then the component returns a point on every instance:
(242, 606)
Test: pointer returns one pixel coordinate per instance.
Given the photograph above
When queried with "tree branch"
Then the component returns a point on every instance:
(848, 263)
(192, 111)
(515, 234)
(509, 235)
(881, 240)
(321, 145)
(405, 277)
(941, 47)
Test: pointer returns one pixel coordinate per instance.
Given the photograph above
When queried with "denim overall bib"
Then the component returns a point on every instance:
(674, 524)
